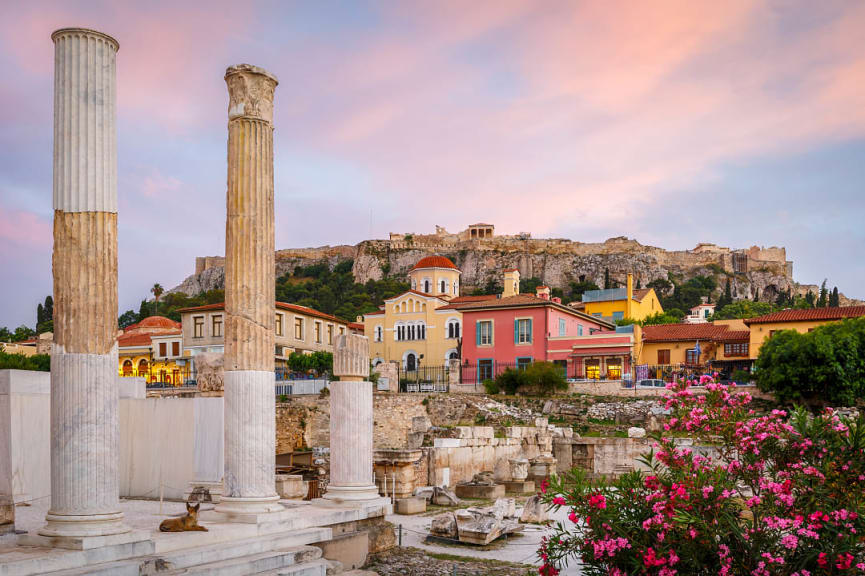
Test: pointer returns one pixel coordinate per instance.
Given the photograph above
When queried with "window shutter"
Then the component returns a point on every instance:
(530, 330)
(516, 331)
(477, 333)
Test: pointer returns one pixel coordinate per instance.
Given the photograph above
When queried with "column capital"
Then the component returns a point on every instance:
(250, 92)
(86, 32)
(351, 357)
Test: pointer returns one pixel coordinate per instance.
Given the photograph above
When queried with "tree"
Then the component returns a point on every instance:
(578, 288)
(157, 291)
(726, 297)
(38, 362)
(834, 298)
(126, 319)
(639, 283)
(756, 295)
(23, 333)
(823, 299)
(45, 316)
(671, 316)
(661, 286)
(823, 365)
(607, 283)
(743, 309)
(810, 298)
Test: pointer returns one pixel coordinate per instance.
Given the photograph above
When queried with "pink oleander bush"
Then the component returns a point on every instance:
(766, 494)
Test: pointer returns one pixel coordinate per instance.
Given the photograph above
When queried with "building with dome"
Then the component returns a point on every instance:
(153, 349)
(411, 329)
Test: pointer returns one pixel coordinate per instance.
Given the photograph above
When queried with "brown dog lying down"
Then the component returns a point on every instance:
(188, 523)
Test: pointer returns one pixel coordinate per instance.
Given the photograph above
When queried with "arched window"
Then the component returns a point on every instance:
(378, 333)
(455, 288)
(410, 362)
(403, 307)
(443, 286)
(413, 284)
(127, 367)
(452, 355)
(453, 328)
(142, 367)
(421, 331)
(376, 362)
(427, 285)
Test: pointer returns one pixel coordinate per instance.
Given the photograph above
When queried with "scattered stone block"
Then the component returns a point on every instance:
(410, 505)
(519, 468)
(290, 486)
(414, 440)
(480, 491)
(519, 486)
(444, 497)
(636, 432)
(535, 511)
(420, 424)
(444, 525)
(482, 526)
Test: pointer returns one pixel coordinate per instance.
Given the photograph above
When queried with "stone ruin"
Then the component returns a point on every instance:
(478, 525)
(210, 373)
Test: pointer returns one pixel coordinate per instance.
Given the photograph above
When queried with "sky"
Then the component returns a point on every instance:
(673, 122)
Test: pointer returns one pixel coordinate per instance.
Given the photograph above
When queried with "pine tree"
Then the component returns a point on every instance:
(726, 297)
(834, 299)
(40, 314)
(49, 308)
(809, 298)
(607, 284)
(757, 295)
(639, 284)
(823, 299)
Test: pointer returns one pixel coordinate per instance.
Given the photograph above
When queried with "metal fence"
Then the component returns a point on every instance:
(424, 379)
(300, 387)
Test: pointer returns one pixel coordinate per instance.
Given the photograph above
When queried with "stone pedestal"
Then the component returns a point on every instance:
(542, 468)
(351, 472)
(84, 394)
(250, 410)
(519, 468)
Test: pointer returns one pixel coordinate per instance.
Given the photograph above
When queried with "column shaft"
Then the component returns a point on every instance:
(84, 427)
(250, 409)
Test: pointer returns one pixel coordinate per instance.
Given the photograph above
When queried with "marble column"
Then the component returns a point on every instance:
(84, 429)
(351, 475)
(250, 410)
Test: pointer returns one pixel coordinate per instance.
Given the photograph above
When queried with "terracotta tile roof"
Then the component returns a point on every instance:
(377, 312)
(156, 322)
(280, 305)
(356, 326)
(511, 270)
(434, 262)
(577, 305)
(809, 314)
(478, 298)
(443, 298)
(641, 293)
(687, 332)
(135, 339)
(735, 336)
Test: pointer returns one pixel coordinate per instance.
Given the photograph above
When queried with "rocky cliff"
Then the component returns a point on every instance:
(556, 262)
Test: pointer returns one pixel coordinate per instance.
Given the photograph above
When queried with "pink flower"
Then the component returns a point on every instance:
(559, 501)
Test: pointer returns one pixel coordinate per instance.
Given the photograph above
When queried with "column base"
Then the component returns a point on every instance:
(83, 526)
(351, 493)
(263, 505)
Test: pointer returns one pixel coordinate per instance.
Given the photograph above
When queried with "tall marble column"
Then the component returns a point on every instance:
(351, 421)
(250, 410)
(84, 429)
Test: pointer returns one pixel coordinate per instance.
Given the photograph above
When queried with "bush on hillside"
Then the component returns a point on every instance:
(511, 380)
(544, 379)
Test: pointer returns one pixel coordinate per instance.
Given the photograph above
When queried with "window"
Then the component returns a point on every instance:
(580, 330)
(175, 348)
(593, 369)
(453, 328)
(341, 330)
(198, 327)
(663, 356)
(562, 327)
(484, 334)
(614, 369)
(330, 333)
(378, 334)
(692, 356)
(298, 328)
(485, 369)
(279, 324)
(411, 362)
(523, 363)
(443, 286)
(216, 325)
(739, 349)
(523, 331)
(318, 332)
(706, 313)
(163, 349)
(618, 315)
(427, 285)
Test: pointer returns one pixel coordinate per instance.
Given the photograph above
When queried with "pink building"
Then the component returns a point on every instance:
(514, 331)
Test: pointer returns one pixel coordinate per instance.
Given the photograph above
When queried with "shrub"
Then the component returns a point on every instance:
(491, 387)
(511, 380)
(38, 362)
(784, 494)
(544, 379)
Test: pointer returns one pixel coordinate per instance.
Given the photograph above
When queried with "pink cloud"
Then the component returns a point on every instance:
(22, 230)
(157, 186)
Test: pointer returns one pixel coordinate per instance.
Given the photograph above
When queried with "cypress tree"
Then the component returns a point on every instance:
(607, 284)
(823, 299)
(834, 299)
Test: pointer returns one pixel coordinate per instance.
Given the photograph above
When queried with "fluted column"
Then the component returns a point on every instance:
(250, 411)
(84, 429)
(351, 421)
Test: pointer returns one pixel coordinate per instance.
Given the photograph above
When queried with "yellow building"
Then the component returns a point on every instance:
(618, 303)
(805, 320)
(153, 349)
(410, 328)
